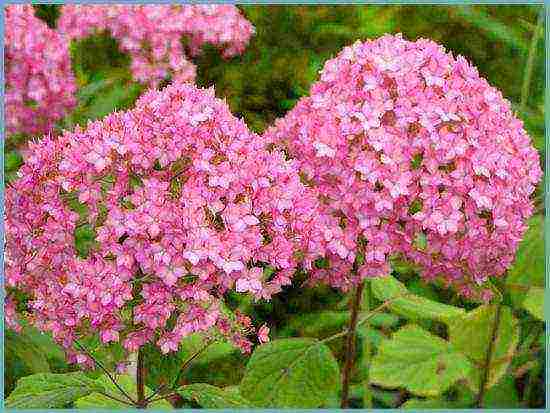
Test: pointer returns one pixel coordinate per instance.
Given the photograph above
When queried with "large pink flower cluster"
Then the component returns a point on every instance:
(152, 34)
(418, 155)
(40, 86)
(185, 203)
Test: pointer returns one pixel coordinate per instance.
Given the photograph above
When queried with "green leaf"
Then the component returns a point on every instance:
(421, 404)
(472, 334)
(212, 397)
(410, 305)
(534, 302)
(414, 359)
(528, 268)
(295, 372)
(503, 395)
(97, 400)
(22, 347)
(49, 390)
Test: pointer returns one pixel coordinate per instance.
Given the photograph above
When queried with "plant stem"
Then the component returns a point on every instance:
(530, 62)
(106, 372)
(350, 345)
(487, 368)
(367, 349)
(140, 380)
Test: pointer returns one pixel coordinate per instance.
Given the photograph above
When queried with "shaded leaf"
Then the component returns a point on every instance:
(97, 400)
(212, 397)
(49, 390)
(409, 305)
(528, 268)
(472, 334)
(534, 302)
(296, 372)
(422, 363)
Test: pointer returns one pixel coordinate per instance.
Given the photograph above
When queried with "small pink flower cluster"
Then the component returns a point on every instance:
(418, 155)
(40, 86)
(185, 203)
(152, 34)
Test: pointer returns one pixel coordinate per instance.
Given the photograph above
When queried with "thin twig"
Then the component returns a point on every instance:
(105, 371)
(150, 399)
(115, 398)
(367, 318)
(163, 397)
(350, 345)
(487, 368)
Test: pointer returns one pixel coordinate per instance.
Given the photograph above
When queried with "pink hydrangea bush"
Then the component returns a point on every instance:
(419, 156)
(152, 34)
(185, 203)
(40, 86)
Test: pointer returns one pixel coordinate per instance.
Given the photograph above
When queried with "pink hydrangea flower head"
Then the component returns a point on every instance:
(40, 86)
(151, 34)
(183, 202)
(406, 143)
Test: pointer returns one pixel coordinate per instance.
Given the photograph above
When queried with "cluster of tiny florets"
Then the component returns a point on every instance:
(40, 86)
(152, 34)
(417, 155)
(184, 203)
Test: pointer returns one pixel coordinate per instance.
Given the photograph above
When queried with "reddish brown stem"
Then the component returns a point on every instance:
(140, 379)
(350, 345)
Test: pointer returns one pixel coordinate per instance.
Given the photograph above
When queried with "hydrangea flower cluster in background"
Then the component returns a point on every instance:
(184, 201)
(152, 34)
(417, 155)
(40, 86)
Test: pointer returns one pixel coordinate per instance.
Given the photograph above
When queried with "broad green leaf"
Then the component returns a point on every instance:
(422, 404)
(22, 347)
(534, 302)
(528, 268)
(418, 361)
(212, 397)
(472, 334)
(49, 390)
(295, 372)
(409, 305)
(97, 400)
(503, 395)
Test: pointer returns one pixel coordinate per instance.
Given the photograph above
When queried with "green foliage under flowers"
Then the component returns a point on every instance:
(418, 346)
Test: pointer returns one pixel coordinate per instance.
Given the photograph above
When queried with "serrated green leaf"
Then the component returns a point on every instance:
(97, 400)
(49, 390)
(212, 397)
(418, 361)
(534, 302)
(528, 268)
(472, 334)
(409, 305)
(295, 372)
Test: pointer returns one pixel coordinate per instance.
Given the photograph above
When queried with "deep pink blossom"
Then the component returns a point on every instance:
(40, 86)
(184, 202)
(152, 34)
(402, 140)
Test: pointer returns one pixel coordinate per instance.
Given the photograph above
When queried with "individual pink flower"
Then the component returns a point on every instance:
(263, 336)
